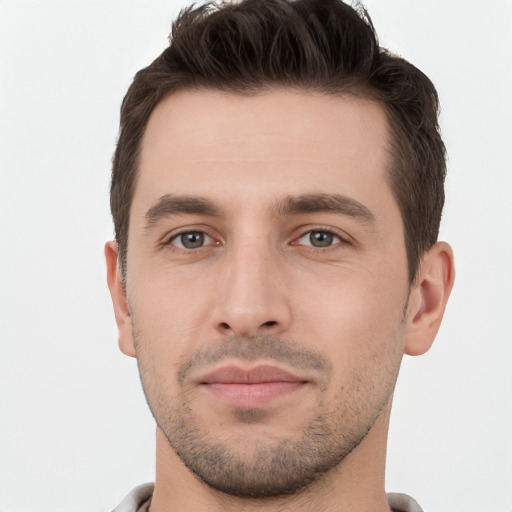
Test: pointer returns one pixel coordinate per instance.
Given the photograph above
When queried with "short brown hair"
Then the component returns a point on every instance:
(324, 46)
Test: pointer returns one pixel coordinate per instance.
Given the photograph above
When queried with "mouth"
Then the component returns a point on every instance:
(256, 387)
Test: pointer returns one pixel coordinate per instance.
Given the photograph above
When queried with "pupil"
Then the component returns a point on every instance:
(192, 240)
(320, 239)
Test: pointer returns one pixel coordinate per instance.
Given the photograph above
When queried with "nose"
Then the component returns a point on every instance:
(252, 299)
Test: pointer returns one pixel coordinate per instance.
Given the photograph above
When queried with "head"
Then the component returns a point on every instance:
(277, 190)
(322, 46)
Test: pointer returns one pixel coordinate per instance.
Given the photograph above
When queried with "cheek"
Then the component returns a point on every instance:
(170, 304)
(356, 313)
(365, 292)
(364, 338)
(167, 329)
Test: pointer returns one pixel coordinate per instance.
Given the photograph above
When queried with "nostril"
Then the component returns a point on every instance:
(249, 329)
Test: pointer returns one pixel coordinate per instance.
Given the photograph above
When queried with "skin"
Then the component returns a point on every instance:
(256, 290)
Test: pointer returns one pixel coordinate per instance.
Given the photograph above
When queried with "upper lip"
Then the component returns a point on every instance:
(233, 374)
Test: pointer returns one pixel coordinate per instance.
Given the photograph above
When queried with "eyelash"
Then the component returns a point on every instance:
(328, 231)
(189, 232)
(336, 238)
(341, 240)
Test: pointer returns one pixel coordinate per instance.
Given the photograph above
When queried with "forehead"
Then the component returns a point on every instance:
(229, 146)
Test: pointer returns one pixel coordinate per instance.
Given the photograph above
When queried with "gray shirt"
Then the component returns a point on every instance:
(140, 498)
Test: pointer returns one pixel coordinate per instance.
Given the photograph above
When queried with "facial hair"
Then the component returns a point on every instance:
(269, 465)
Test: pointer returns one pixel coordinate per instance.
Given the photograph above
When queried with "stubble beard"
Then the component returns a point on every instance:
(267, 467)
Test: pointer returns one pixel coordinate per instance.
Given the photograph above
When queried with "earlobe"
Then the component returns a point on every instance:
(119, 300)
(428, 299)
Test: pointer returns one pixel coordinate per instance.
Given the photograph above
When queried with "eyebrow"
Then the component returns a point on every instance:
(325, 203)
(171, 204)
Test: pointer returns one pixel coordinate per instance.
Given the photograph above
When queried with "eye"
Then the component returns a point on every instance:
(319, 238)
(191, 240)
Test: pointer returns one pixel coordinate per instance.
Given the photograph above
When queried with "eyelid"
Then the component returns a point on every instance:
(181, 246)
(343, 237)
(169, 237)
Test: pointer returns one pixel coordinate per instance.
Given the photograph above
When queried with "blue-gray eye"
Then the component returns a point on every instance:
(319, 239)
(191, 240)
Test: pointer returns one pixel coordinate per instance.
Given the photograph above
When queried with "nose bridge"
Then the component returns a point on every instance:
(249, 271)
(250, 302)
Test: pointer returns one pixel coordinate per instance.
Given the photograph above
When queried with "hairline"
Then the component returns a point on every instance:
(353, 88)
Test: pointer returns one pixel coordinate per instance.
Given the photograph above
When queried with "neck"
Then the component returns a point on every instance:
(356, 484)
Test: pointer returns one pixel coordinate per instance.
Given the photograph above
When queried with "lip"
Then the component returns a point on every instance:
(234, 374)
(255, 387)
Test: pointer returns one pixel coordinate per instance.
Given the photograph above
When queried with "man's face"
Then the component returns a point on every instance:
(267, 283)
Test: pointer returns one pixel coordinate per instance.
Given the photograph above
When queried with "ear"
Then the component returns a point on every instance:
(429, 295)
(118, 294)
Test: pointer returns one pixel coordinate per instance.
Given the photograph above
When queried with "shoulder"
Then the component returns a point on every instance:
(137, 499)
(403, 503)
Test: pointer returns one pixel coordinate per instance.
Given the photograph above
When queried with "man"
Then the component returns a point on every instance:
(277, 190)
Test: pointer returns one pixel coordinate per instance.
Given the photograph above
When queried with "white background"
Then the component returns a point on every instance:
(75, 433)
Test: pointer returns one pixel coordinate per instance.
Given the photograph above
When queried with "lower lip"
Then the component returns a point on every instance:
(252, 395)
